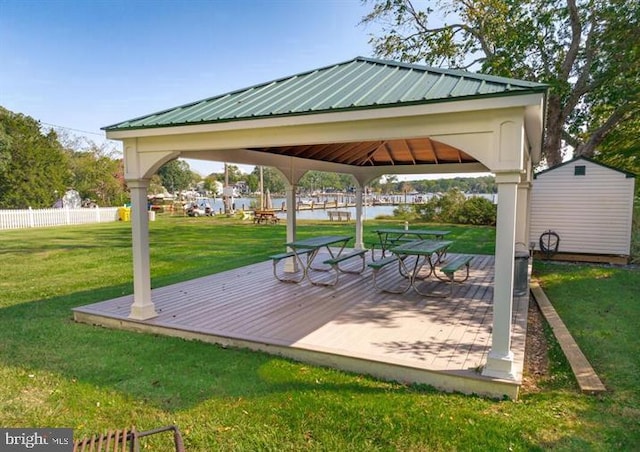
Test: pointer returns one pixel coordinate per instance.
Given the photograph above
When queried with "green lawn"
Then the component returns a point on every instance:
(55, 372)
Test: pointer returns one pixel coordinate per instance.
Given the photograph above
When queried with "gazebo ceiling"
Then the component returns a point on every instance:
(417, 151)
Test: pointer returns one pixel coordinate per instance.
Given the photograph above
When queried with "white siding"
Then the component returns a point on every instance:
(592, 213)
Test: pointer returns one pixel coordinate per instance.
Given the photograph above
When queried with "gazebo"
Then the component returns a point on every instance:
(362, 117)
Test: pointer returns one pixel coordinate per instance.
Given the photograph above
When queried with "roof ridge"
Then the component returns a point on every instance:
(456, 72)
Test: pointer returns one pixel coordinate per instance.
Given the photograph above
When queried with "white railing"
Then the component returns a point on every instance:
(36, 218)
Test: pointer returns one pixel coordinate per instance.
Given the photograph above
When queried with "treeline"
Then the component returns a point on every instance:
(38, 167)
(482, 184)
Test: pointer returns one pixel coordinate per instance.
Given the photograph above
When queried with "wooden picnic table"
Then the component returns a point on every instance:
(390, 237)
(424, 252)
(265, 216)
(311, 246)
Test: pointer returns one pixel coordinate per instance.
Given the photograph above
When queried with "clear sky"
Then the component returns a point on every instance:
(87, 64)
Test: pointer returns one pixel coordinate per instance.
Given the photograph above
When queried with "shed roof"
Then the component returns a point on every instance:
(357, 84)
(583, 158)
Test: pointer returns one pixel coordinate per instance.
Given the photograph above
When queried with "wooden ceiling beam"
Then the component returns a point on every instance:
(362, 152)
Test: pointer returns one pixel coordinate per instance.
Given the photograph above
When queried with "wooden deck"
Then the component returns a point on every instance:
(409, 338)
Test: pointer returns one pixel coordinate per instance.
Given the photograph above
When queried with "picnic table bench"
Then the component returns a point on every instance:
(276, 258)
(335, 264)
(377, 266)
(339, 215)
(310, 248)
(452, 267)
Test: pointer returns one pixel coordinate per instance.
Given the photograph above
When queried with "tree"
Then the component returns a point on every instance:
(588, 51)
(33, 166)
(390, 180)
(176, 175)
(325, 181)
(273, 179)
(97, 174)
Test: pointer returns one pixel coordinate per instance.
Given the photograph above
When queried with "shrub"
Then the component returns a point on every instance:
(405, 212)
(454, 207)
(478, 211)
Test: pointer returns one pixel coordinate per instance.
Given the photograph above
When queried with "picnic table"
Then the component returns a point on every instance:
(390, 237)
(265, 216)
(425, 252)
(310, 248)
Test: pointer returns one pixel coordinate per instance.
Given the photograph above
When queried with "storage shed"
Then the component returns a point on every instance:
(589, 207)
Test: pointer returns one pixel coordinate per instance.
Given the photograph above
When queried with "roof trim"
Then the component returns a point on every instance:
(580, 157)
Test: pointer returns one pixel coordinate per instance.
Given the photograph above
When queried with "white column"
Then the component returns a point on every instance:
(523, 214)
(291, 264)
(500, 360)
(142, 307)
(359, 224)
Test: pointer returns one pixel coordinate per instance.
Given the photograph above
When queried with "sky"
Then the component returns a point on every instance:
(82, 65)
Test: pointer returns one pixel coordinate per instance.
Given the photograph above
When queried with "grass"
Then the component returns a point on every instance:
(59, 373)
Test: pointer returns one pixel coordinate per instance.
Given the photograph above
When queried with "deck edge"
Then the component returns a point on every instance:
(586, 376)
(442, 380)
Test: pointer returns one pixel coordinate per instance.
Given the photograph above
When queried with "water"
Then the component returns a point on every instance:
(368, 212)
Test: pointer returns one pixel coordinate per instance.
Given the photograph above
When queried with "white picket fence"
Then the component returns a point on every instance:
(37, 218)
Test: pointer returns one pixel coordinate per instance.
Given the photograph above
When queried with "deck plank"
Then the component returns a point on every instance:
(351, 321)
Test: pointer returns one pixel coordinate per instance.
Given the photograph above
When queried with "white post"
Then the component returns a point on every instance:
(142, 307)
(291, 265)
(359, 223)
(523, 214)
(500, 359)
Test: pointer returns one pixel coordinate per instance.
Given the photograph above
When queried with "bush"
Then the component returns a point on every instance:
(478, 211)
(405, 212)
(454, 207)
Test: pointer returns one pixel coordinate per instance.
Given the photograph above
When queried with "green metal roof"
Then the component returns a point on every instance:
(358, 84)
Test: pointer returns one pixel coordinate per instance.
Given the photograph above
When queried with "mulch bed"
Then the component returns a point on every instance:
(536, 362)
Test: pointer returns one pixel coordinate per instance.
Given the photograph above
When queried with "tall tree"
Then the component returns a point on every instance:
(176, 175)
(33, 166)
(588, 51)
(97, 174)
(273, 179)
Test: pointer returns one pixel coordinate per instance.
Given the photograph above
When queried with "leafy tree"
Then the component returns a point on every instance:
(442, 209)
(33, 165)
(176, 175)
(621, 148)
(210, 185)
(233, 173)
(98, 175)
(588, 51)
(253, 181)
(272, 179)
(155, 185)
(325, 181)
